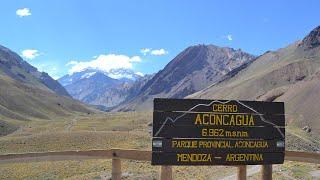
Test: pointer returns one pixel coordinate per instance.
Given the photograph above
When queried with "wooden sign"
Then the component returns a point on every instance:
(227, 132)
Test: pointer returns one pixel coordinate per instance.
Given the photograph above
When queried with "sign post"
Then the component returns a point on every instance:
(217, 132)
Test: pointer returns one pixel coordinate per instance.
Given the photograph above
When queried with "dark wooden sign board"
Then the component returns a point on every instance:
(217, 132)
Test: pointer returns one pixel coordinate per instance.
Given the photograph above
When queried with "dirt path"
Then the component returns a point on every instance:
(71, 124)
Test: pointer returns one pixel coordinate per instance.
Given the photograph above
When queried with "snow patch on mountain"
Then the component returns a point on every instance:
(124, 74)
(88, 75)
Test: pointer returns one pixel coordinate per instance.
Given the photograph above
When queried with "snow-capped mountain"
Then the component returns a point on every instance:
(124, 74)
(120, 74)
(101, 88)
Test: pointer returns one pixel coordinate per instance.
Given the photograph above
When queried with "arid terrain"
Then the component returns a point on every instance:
(129, 130)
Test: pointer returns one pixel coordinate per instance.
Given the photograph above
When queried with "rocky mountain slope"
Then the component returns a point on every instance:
(26, 94)
(290, 74)
(12, 65)
(192, 70)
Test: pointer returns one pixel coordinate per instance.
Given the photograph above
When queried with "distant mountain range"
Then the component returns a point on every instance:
(121, 89)
(103, 89)
(123, 75)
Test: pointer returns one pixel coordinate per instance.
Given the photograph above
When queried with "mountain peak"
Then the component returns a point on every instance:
(312, 40)
(213, 48)
(103, 88)
(120, 73)
(123, 73)
(191, 70)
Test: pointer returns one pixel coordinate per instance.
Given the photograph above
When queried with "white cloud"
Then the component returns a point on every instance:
(72, 63)
(159, 52)
(139, 73)
(135, 59)
(229, 37)
(23, 12)
(104, 63)
(144, 51)
(30, 53)
(155, 52)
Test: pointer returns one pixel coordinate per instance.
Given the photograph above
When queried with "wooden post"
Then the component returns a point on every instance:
(242, 173)
(116, 169)
(266, 172)
(166, 173)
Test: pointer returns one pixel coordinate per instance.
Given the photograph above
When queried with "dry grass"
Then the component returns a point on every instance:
(103, 131)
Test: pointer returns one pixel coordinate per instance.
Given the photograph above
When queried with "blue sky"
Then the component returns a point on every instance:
(52, 34)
